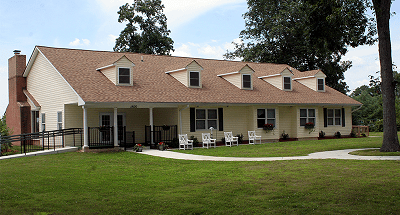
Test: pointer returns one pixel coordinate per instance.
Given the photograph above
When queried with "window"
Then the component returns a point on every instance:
(194, 79)
(43, 122)
(59, 120)
(124, 76)
(334, 117)
(287, 83)
(35, 121)
(246, 81)
(206, 118)
(307, 115)
(321, 84)
(265, 116)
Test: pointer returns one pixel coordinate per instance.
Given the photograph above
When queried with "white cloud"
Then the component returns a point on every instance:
(86, 42)
(112, 38)
(77, 42)
(182, 51)
(211, 51)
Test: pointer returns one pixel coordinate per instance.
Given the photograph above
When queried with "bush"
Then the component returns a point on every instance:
(284, 136)
(240, 138)
(338, 134)
(195, 141)
(322, 134)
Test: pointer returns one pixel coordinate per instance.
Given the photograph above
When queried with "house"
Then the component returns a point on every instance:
(68, 88)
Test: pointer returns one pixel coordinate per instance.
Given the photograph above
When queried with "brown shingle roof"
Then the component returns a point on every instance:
(152, 84)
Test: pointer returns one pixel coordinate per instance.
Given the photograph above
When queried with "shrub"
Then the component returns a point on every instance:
(195, 141)
(284, 135)
(322, 134)
(338, 134)
(240, 138)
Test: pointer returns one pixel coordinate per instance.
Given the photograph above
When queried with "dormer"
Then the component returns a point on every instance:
(190, 76)
(120, 72)
(314, 80)
(243, 79)
(282, 81)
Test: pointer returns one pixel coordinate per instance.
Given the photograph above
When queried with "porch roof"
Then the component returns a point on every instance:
(151, 84)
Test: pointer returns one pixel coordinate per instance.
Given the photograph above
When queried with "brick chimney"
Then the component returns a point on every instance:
(18, 110)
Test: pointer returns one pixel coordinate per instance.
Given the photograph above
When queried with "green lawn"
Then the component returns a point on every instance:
(131, 183)
(292, 148)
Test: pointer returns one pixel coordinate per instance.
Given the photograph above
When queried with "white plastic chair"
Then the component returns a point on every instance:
(206, 137)
(253, 137)
(184, 142)
(230, 139)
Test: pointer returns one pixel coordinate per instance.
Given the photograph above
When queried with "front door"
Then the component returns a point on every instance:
(107, 120)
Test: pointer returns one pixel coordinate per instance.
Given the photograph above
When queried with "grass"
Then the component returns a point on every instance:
(292, 148)
(132, 183)
(374, 152)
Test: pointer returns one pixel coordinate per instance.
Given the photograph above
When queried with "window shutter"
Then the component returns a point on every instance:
(221, 119)
(343, 118)
(192, 119)
(325, 117)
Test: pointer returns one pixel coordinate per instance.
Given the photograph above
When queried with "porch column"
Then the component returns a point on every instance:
(151, 126)
(115, 126)
(85, 130)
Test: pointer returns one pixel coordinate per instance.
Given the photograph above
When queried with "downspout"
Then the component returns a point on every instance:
(357, 109)
(180, 118)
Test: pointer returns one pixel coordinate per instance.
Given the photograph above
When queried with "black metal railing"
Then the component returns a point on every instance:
(164, 133)
(103, 137)
(45, 140)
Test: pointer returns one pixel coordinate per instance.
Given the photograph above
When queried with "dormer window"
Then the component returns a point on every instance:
(321, 84)
(287, 83)
(194, 79)
(124, 76)
(246, 81)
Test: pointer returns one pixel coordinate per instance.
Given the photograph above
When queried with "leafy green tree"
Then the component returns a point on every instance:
(4, 131)
(306, 34)
(146, 29)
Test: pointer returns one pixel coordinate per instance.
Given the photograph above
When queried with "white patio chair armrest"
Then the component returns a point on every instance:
(258, 136)
(190, 141)
(235, 138)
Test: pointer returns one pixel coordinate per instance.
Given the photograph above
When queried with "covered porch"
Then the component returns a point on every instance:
(122, 124)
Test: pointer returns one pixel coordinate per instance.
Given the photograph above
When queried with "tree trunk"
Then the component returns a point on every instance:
(390, 139)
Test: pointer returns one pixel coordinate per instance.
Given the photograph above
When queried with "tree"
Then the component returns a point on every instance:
(146, 30)
(306, 34)
(390, 138)
(4, 131)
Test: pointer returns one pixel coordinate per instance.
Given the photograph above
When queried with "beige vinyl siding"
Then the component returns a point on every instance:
(235, 79)
(110, 73)
(246, 70)
(181, 76)
(309, 82)
(165, 116)
(276, 81)
(73, 118)
(124, 63)
(331, 129)
(288, 121)
(304, 133)
(193, 66)
(50, 90)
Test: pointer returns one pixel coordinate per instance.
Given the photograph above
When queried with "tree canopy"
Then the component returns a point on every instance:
(305, 34)
(146, 29)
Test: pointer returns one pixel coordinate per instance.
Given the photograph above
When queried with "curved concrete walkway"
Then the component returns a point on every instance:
(337, 154)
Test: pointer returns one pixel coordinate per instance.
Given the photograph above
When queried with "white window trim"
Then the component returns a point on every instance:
(199, 79)
(251, 82)
(308, 117)
(323, 85)
(59, 122)
(283, 83)
(266, 116)
(130, 76)
(206, 119)
(334, 116)
(43, 121)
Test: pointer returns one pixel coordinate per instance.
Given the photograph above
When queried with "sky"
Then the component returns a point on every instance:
(199, 28)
